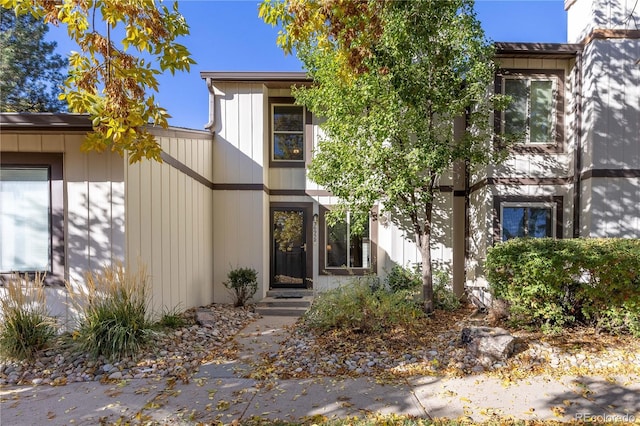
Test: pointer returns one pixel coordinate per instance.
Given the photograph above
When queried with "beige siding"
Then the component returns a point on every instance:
(586, 15)
(93, 204)
(169, 223)
(241, 234)
(239, 142)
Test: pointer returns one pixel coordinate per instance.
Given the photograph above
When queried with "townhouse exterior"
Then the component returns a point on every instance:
(238, 195)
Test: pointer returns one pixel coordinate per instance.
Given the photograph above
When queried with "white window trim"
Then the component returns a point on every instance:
(527, 204)
(289, 132)
(326, 238)
(554, 111)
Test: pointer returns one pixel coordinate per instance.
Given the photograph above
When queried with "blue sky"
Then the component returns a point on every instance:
(229, 36)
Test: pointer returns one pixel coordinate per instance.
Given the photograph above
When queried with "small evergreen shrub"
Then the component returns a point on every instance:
(401, 278)
(26, 325)
(243, 283)
(112, 306)
(356, 306)
(554, 284)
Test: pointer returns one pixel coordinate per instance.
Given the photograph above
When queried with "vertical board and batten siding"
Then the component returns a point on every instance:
(169, 222)
(611, 139)
(240, 222)
(584, 16)
(94, 206)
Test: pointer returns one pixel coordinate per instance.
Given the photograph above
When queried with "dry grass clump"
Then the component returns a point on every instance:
(113, 318)
(26, 324)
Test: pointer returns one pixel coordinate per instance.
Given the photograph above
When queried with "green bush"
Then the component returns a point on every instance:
(356, 306)
(171, 318)
(443, 296)
(243, 283)
(555, 284)
(401, 278)
(26, 324)
(113, 317)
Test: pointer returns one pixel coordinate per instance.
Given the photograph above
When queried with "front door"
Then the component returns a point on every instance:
(289, 247)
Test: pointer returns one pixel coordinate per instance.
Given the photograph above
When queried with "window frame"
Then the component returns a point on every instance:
(54, 162)
(306, 134)
(342, 270)
(557, 77)
(554, 202)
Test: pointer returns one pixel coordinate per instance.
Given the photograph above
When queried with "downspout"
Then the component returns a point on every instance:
(577, 171)
(212, 107)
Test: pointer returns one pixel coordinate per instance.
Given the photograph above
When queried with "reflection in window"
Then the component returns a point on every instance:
(288, 133)
(347, 248)
(534, 221)
(25, 206)
(531, 112)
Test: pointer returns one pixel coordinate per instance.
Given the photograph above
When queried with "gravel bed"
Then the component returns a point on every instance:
(171, 353)
(445, 356)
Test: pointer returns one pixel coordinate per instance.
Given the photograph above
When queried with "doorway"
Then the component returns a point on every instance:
(291, 249)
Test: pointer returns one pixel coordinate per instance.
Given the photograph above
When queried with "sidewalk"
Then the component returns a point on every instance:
(218, 393)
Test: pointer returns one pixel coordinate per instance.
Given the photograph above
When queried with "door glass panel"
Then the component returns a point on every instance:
(289, 249)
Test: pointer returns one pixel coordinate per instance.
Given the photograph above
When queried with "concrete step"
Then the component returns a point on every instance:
(285, 302)
(289, 293)
(291, 311)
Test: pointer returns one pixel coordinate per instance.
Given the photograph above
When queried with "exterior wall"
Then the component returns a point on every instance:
(611, 138)
(241, 219)
(94, 205)
(169, 225)
(584, 16)
(522, 174)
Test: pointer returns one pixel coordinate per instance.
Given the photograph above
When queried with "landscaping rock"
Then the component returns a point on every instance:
(496, 344)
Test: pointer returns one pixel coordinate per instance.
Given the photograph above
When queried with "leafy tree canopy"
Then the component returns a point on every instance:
(390, 84)
(30, 71)
(110, 77)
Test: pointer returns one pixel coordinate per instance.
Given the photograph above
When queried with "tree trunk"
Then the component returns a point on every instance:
(427, 273)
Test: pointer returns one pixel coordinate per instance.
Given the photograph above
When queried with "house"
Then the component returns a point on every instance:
(238, 194)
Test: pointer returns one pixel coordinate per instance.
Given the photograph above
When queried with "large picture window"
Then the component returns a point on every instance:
(288, 133)
(24, 219)
(346, 248)
(31, 215)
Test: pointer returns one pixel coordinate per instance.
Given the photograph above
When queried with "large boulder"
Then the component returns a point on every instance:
(488, 343)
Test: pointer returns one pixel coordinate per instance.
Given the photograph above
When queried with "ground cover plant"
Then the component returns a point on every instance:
(113, 318)
(26, 326)
(555, 284)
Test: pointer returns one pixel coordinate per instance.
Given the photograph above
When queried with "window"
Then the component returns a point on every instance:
(31, 215)
(527, 220)
(288, 133)
(535, 116)
(345, 247)
(523, 216)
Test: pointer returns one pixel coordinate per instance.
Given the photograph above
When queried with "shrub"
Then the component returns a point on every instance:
(559, 283)
(443, 296)
(26, 325)
(356, 306)
(243, 283)
(113, 317)
(401, 278)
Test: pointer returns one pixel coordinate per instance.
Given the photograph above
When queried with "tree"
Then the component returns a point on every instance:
(109, 79)
(30, 71)
(389, 92)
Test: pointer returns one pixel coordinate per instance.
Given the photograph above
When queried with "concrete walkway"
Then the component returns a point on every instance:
(218, 393)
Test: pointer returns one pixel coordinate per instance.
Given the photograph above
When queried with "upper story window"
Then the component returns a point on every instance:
(535, 116)
(288, 125)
